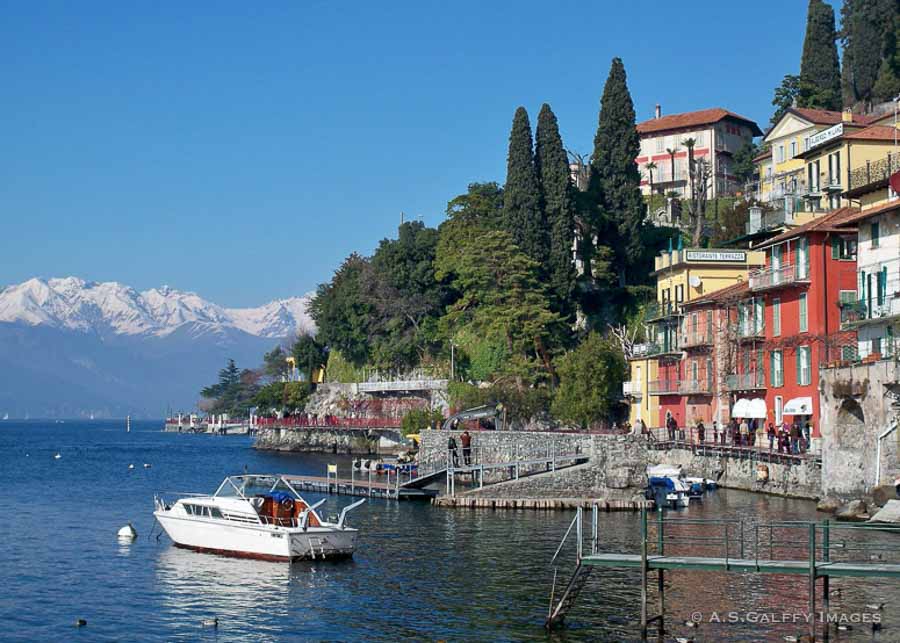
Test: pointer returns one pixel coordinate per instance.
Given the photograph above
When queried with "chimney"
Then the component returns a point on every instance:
(847, 116)
(658, 110)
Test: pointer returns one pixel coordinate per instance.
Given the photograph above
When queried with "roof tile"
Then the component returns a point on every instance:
(692, 119)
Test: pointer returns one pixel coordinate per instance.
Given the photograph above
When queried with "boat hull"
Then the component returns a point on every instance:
(258, 541)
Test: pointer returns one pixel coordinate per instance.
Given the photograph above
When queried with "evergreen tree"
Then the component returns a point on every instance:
(785, 95)
(887, 86)
(866, 27)
(558, 200)
(522, 216)
(342, 313)
(615, 177)
(820, 73)
(744, 169)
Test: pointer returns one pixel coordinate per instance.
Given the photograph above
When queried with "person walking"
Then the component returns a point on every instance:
(715, 432)
(466, 440)
(771, 433)
(451, 449)
(671, 426)
(701, 432)
(745, 432)
(795, 437)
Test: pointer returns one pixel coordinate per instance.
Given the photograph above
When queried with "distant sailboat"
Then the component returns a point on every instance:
(6, 416)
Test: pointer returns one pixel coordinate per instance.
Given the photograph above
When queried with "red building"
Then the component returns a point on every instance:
(790, 323)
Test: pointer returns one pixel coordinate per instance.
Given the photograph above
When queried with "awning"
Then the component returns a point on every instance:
(798, 406)
(745, 408)
(740, 408)
(757, 409)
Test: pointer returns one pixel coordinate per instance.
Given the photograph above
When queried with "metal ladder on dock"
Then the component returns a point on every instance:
(557, 611)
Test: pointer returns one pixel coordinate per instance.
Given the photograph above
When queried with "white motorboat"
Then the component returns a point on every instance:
(666, 486)
(255, 516)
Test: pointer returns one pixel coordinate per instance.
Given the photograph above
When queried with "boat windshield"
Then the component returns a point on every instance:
(248, 486)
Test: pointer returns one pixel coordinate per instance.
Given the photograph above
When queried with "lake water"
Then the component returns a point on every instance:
(420, 573)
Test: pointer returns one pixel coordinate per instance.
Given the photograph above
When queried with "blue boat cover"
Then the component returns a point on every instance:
(281, 496)
(668, 483)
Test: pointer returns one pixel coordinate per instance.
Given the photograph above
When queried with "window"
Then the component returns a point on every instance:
(874, 233)
(679, 293)
(804, 363)
(876, 345)
(660, 144)
(881, 287)
(843, 248)
(793, 149)
(803, 258)
(776, 369)
(804, 324)
(759, 319)
(780, 156)
(779, 408)
(699, 138)
(776, 317)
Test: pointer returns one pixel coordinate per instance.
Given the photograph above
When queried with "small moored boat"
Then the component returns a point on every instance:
(255, 516)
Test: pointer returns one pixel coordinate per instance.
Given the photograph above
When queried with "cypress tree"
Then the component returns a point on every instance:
(887, 86)
(615, 177)
(522, 216)
(820, 73)
(558, 200)
(865, 32)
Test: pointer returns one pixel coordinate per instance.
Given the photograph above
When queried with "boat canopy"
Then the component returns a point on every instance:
(248, 486)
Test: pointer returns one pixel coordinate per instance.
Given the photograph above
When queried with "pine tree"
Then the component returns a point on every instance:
(820, 74)
(558, 200)
(522, 216)
(615, 177)
(866, 30)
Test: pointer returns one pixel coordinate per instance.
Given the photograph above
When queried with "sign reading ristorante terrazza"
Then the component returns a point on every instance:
(716, 255)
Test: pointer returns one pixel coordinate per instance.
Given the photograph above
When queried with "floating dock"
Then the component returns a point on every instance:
(549, 504)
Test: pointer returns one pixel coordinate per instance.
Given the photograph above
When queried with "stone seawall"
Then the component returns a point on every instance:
(616, 467)
(349, 441)
(802, 480)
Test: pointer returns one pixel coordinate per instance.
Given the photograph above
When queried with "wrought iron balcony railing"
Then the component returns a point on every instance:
(874, 172)
(662, 310)
(780, 277)
(664, 387)
(696, 338)
(700, 386)
(750, 381)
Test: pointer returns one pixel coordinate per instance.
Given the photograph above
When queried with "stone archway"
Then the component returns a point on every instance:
(851, 423)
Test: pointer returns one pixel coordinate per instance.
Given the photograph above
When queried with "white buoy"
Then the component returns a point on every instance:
(127, 532)
(146, 465)
(131, 466)
(57, 456)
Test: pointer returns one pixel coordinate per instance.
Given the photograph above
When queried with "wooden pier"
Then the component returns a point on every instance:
(819, 551)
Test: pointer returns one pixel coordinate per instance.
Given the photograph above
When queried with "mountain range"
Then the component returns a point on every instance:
(70, 347)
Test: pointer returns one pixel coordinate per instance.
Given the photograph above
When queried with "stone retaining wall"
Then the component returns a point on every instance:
(350, 441)
(803, 480)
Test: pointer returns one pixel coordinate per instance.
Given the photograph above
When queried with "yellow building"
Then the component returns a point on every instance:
(682, 275)
(782, 180)
(844, 166)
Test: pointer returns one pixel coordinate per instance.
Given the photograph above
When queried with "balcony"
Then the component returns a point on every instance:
(665, 349)
(700, 386)
(632, 389)
(750, 330)
(752, 381)
(780, 277)
(696, 338)
(833, 184)
(664, 387)
(873, 175)
(661, 311)
(769, 220)
(864, 312)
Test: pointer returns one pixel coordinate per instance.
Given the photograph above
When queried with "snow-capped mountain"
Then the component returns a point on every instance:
(111, 307)
(70, 347)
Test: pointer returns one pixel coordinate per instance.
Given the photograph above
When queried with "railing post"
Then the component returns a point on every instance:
(660, 540)
(594, 526)
(812, 581)
(643, 573)
(579, 533)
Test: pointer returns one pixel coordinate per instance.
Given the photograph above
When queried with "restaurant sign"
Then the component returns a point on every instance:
(716, 255)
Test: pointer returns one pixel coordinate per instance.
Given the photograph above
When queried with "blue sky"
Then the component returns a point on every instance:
(241, 150)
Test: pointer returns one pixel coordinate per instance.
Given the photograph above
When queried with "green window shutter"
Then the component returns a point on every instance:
(835, 248)
(799, 360)
(875, 234)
